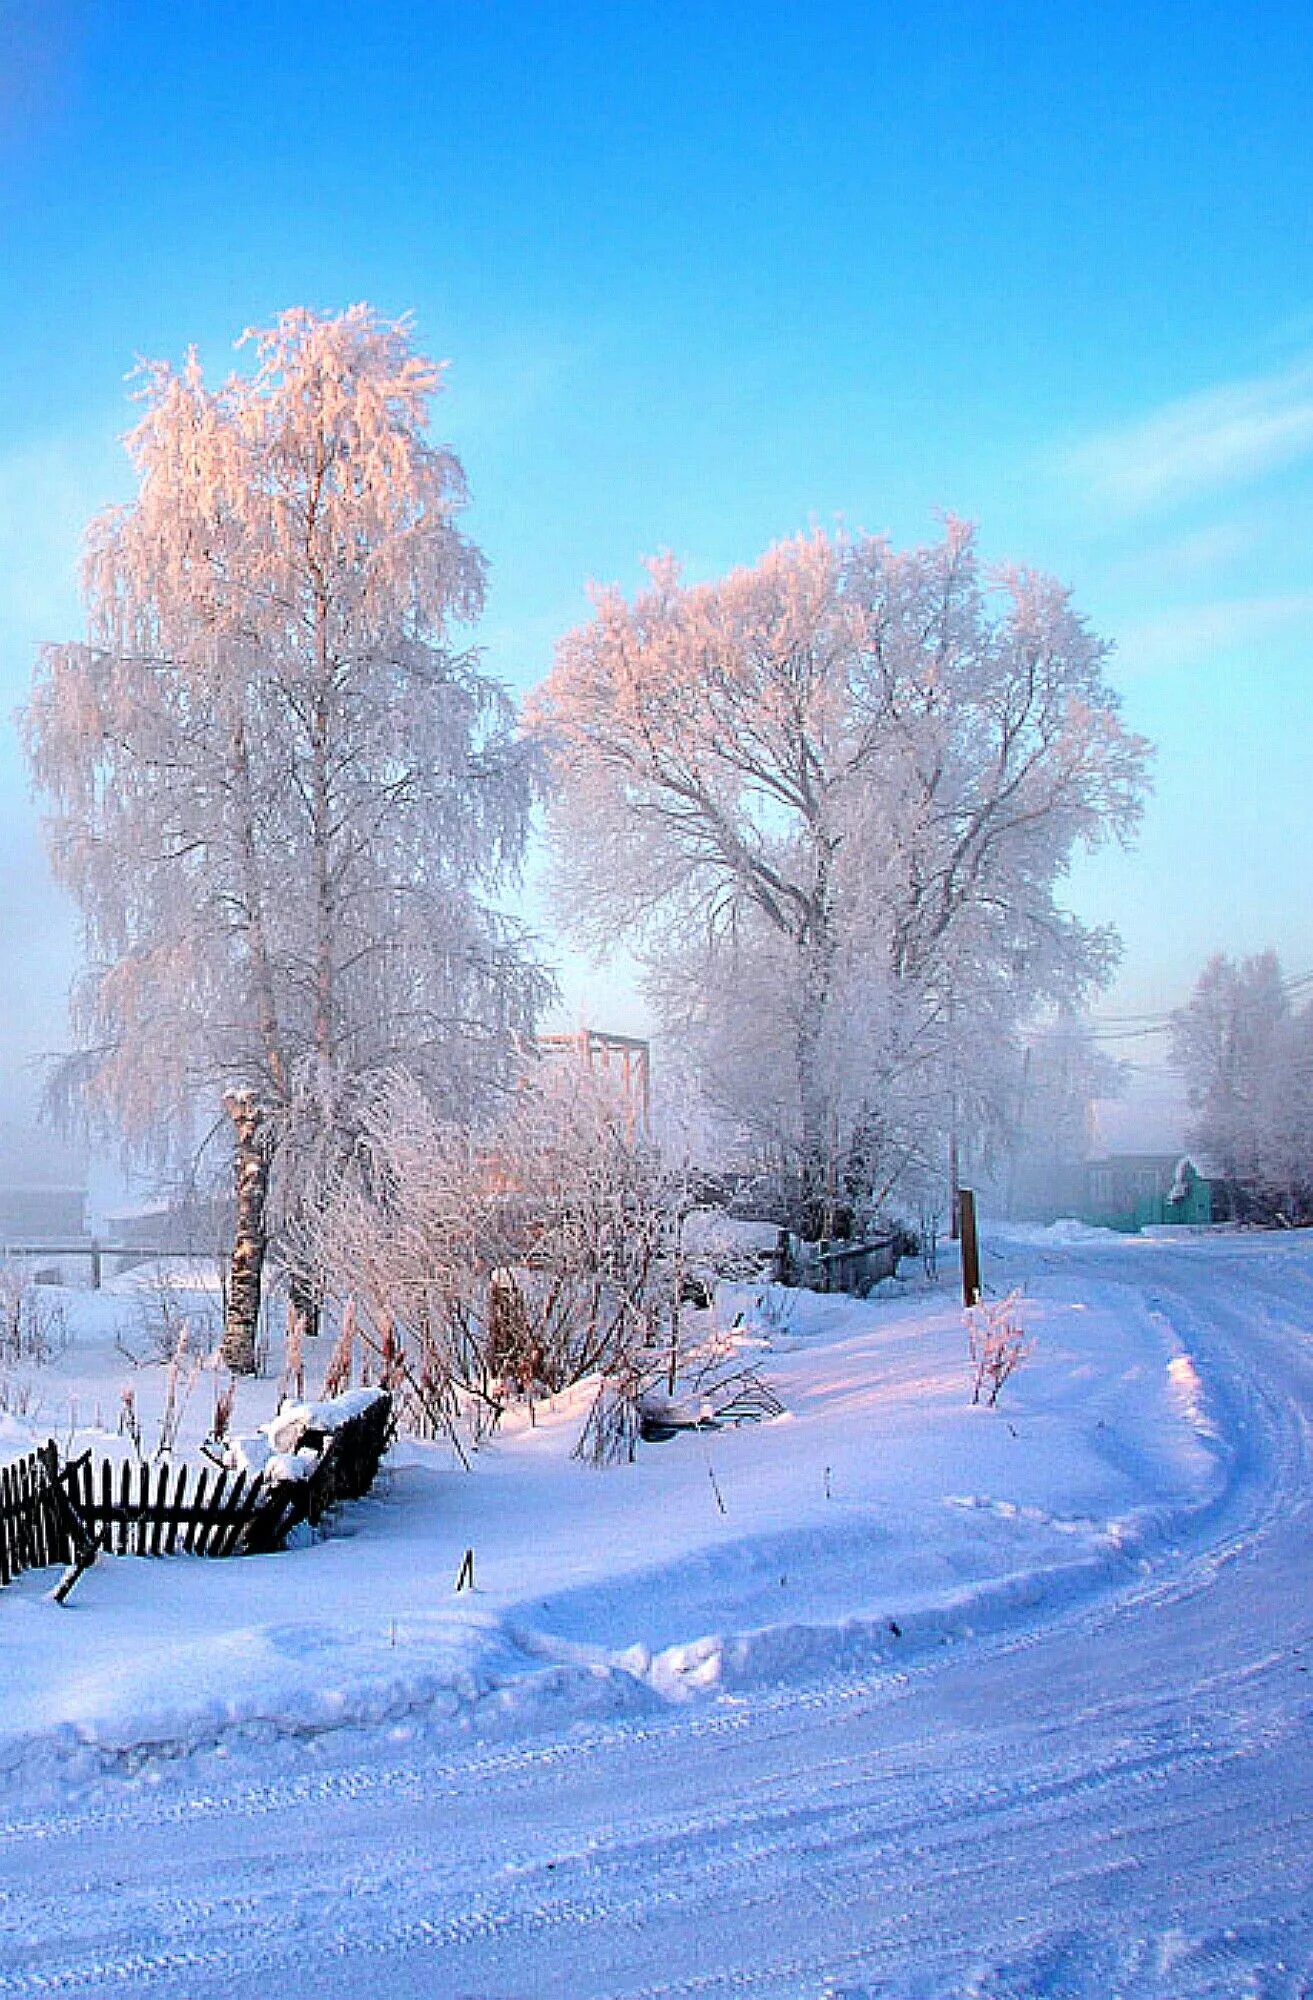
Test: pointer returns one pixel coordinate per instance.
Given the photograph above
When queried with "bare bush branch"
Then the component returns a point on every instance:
(998, 1344)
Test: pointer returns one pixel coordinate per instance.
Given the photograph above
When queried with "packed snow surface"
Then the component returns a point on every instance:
(887, 1695)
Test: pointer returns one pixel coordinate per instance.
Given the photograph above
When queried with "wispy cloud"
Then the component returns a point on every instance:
(1201, 444)
(1189, 634)
(1204, 557)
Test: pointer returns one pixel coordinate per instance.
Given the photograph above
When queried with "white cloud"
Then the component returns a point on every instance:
(1188, 561)
(1187, 634)
(1201, 444)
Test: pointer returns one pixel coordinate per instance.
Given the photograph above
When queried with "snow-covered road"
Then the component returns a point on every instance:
(1113, 1799)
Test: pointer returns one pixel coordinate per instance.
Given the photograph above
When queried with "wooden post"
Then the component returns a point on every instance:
(970, 1247)
(73, 1529)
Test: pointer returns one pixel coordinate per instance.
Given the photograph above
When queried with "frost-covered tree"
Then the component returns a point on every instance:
(1064, 1071)
(1246, 1055)
(281, 794)
(829, 801)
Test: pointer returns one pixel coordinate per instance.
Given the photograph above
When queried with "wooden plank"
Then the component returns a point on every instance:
(125, 1504)
(53, 1533)
(272, 1518)
(28, 1541)
(236, 1511)
(244, 1503)
(26, 1549)
(226, 1490)
(21, 1553)
(22, 1528)
(215, 1517)
(158, 1506)
(149, 1525)
(8, 1568)
(41, 1540)
(35, 1515)
(16, 1517)
(316, 1486)
(176, 1510)
(105, 1536)
(100, 1527)
(140, 1533)
(175, 1516)
(218, 1508)
(36, 1540)
(78, 1550)
(198, 1511)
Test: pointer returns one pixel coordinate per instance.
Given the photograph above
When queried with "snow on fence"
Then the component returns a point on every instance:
(53, 1513)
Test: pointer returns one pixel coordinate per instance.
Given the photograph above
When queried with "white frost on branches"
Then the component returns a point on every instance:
(998, 1344)
(1246, 1053)
(830, 800)
(279, 793)
(489, 1264)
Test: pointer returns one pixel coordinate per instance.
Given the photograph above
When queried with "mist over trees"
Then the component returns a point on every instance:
(1245, 1050)
(281, 794)
(828, 802)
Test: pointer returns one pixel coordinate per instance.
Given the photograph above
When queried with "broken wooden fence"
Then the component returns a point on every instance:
(65, 1514)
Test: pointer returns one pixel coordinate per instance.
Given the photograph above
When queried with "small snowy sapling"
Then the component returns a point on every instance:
(998, 1345)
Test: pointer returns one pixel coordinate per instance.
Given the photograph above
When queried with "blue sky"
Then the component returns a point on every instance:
(710, 274)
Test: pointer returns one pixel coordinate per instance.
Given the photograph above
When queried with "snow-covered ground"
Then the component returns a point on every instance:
(888, 1695)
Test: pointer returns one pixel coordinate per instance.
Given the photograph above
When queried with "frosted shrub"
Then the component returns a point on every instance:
(998, 1345)
(488, 1267)
(33, 1328)
(169, 1313)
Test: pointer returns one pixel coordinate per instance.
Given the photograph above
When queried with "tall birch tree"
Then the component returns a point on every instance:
(282, 795)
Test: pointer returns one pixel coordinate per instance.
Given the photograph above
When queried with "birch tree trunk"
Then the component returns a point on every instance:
(251, 1161)
(251, 1176)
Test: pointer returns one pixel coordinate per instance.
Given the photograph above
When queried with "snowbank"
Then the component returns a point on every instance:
(879, 1516)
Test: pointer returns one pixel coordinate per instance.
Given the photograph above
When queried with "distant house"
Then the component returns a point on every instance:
(32, 1216)
(1125, 1191)
(625, 1060)
(1140, 1190)
(43, 1188)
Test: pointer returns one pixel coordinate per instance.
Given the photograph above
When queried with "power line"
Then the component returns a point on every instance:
(1124, 1027)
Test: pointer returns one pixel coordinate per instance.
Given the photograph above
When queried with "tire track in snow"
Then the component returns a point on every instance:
(898, 1830)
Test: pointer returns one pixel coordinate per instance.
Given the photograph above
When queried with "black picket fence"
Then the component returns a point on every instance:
(54, 1513)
